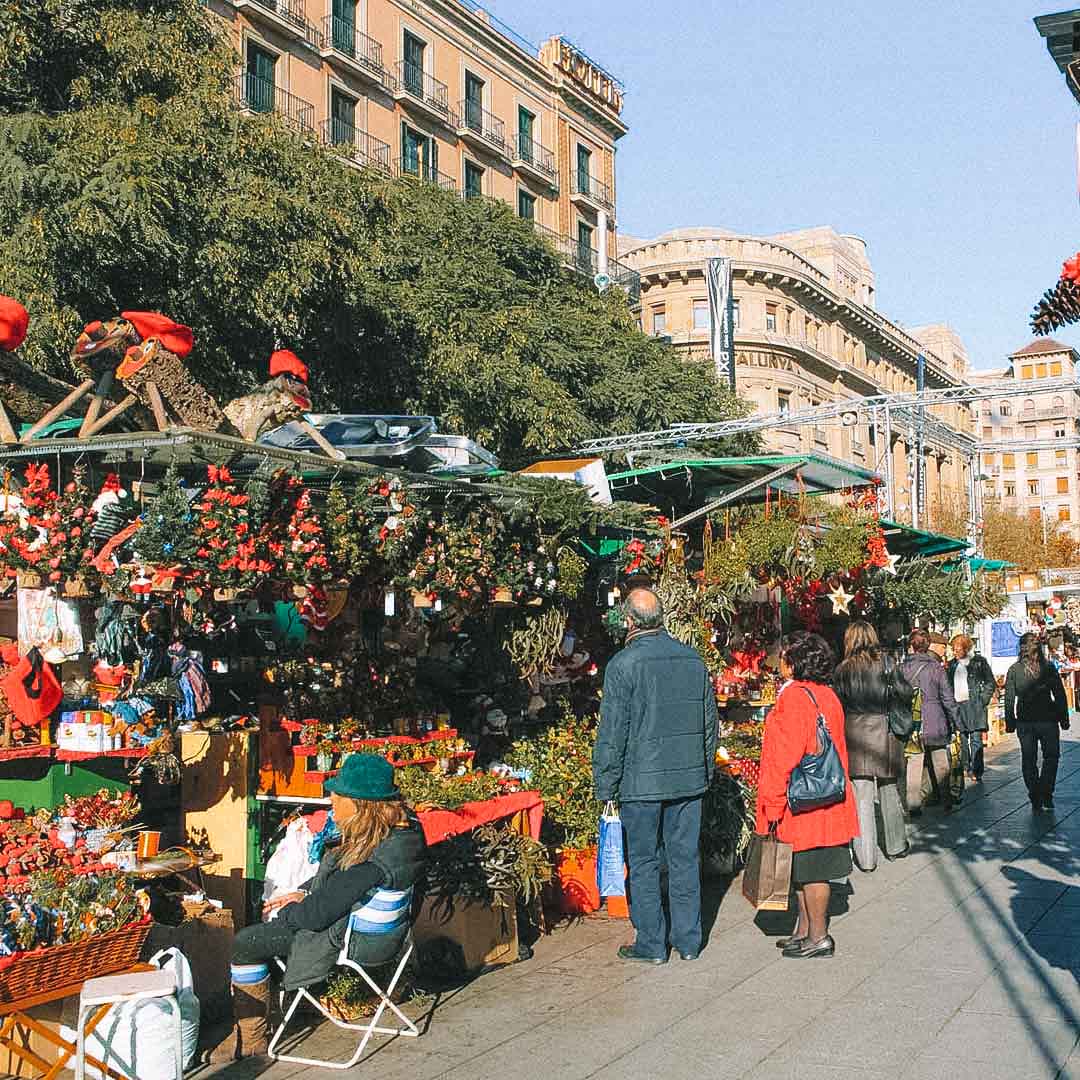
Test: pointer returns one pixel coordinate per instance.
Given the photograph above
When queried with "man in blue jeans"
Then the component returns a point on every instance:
(655, 754)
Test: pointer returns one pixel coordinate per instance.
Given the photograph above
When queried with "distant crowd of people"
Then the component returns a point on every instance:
(909, 731)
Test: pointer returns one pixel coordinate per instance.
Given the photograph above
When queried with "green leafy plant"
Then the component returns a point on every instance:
(559, 761)
(727, 817)
(425, 790)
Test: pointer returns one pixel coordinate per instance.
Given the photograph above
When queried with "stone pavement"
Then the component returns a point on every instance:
(962, 960)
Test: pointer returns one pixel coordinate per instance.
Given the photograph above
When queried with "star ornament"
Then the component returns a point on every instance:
(890, 566)
(841, 600)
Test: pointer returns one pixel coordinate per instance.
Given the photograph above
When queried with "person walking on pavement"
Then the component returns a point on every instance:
(973, 686)
(655, 754)
(820, 839)
(1035, 708)
(869, 687)
(937, 711)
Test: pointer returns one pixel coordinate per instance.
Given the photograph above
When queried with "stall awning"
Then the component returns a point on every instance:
(697, 482)
(911, 543)
(991, 566)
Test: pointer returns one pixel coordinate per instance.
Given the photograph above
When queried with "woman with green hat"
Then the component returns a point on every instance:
(366, 876)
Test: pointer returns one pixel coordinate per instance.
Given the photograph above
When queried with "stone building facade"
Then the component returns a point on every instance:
(1044, 482)
(807, 333)
(441, 91)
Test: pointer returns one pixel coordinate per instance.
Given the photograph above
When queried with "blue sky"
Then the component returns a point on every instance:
(941, 132)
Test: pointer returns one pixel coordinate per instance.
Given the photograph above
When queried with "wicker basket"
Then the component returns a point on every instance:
(43, 970)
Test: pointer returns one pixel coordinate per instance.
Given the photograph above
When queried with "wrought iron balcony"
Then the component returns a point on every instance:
(586, 260)
(479, 127)
(413, 84)
(341, 39)
(421, 173)
(592, 192)
(530, 157)
(356, 146)
(288, 15)
(259, 95)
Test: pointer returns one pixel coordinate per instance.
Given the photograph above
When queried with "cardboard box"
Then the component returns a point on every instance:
(486, 935)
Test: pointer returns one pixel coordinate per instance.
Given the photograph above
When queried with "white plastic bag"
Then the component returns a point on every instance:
(135, 1039)
(289, 867)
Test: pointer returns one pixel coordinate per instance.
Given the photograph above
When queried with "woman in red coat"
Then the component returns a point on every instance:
(820, 839)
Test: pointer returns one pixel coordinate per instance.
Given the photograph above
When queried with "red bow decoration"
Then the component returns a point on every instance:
(1071, 268)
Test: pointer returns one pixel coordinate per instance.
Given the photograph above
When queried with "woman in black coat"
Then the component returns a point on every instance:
(1035, 708)
(973, 685)
(869, 686)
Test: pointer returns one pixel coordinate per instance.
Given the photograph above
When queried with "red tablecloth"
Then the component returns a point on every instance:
(14, 753)
(439, 825)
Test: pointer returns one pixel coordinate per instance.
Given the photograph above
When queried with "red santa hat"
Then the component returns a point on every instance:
(284, 362)
(14, 320)
(174, 336)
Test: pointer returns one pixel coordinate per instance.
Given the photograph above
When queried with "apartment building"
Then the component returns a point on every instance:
(1042, 481)
(442, 92)
(808, 333)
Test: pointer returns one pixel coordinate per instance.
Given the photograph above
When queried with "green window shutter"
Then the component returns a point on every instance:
(260, 79)
(526, 206)
(414, 65)
(525, 133)
(584, 168)
(343, 26)
(342, 118)
(474, 180)
(433, 155)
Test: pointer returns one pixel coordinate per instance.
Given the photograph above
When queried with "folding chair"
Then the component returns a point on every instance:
(386, 912)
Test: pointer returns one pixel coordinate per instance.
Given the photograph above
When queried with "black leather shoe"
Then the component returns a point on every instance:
(784, 942)
(1048, 802)
(809, 950)
(689, 955)
(627, 952)
(899, 855)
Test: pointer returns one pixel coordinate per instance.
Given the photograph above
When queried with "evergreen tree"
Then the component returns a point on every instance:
(167, 534)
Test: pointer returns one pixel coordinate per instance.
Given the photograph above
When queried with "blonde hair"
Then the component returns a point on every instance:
(367, 828)
(964, 640)
(861, 639)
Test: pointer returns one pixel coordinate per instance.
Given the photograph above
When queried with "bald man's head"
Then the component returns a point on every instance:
(644, 610)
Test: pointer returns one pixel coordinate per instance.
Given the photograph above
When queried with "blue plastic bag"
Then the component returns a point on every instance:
(610, 869)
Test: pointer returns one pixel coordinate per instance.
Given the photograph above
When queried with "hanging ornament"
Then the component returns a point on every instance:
(841, 600)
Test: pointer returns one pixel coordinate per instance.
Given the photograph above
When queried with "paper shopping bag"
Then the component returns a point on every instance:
(766, 880)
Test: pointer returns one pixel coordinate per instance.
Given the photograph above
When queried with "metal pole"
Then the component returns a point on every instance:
(890, 482)
(974, 469)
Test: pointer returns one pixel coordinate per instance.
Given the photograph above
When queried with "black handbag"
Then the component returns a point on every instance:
(818, 780)
(900, 717)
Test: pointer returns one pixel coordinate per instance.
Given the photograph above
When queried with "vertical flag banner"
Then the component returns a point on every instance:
(721, 318)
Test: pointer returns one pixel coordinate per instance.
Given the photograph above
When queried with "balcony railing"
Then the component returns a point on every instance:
(260, 95)
(357, 146)
(595, 190)
(342, 36)
(586, 260)
(529, 154)
(423, 88)
(425, 175)
(473, 119)
(293, 13)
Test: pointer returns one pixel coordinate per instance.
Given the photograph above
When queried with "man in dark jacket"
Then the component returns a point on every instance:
(655, 753)
(938, 719)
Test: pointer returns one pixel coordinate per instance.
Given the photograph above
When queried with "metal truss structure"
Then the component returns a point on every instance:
(892, 416)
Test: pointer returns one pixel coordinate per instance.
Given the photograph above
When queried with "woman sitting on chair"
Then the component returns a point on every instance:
(367, 876)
